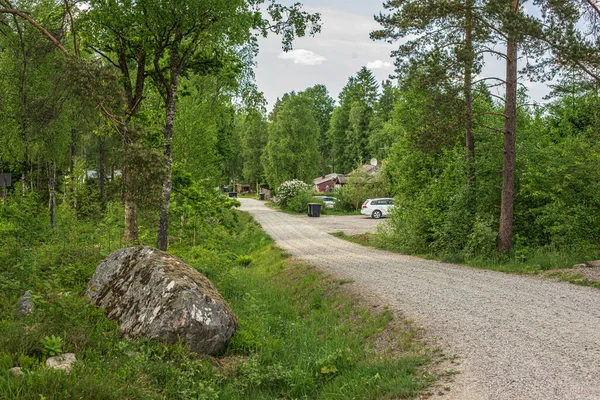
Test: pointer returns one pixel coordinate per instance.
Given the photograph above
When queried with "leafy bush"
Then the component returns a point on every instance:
(361, 186)
(244, 261)
(289, 190)
(482, 240)
(299, 203)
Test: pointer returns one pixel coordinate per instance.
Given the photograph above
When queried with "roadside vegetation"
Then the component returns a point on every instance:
(301, 335)
(537, 261)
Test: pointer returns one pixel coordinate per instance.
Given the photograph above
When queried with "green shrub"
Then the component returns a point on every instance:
(52, 345)
(244, 261)
(289, 190)
(299, 203)
(5, 361)
(361, 185)
(482, 240)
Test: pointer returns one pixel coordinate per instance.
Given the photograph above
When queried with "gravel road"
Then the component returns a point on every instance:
(517, 337)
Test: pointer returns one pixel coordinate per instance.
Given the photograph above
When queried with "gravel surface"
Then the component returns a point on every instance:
(517, 337)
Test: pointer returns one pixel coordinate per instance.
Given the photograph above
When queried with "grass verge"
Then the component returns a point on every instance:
(552, 264)
(301, 335)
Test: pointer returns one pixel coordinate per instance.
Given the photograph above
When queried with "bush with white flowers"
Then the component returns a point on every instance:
(288, 190)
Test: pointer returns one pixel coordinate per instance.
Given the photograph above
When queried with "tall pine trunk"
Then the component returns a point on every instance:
(468, 92)
(505, 233)
(162, 240)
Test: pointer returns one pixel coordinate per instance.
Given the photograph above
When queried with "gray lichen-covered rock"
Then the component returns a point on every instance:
(153, 294)
(25, 304)
(593, 264)
(63, 362)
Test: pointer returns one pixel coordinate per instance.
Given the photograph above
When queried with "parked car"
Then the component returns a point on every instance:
(328, 201)
(377, 208)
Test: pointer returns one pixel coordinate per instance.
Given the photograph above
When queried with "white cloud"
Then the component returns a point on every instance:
(303, 57)
(379, 64)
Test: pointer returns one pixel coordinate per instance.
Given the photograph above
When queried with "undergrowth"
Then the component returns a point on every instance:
(299, 336)
(522, 260)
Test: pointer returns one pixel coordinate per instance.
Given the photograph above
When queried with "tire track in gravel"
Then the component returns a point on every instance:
(517, 337)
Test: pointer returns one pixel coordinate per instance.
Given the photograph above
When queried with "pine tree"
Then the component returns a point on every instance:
(351, 121)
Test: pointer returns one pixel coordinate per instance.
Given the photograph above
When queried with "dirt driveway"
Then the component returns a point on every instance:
(349, 224)
(517, 337)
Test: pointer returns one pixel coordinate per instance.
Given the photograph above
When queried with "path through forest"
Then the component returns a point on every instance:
(517, 337)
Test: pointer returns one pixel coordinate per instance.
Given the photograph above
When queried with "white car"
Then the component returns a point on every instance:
(328, 201)
(377, 208)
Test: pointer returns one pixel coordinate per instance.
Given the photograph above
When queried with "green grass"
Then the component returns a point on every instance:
(574, 278)
(249, 195)
(300, 335)
(528, 261)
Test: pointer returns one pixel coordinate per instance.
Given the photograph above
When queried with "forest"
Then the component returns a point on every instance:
(121, 122)
(152, 109)
(172, 104)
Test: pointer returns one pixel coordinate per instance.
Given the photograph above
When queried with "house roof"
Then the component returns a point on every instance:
(325, 178)
(370, 168)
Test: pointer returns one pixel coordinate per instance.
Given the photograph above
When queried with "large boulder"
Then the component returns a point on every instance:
(153, 294)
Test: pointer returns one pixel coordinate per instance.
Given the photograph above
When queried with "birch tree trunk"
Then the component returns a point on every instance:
(102, 173)
(505, 232)
(162, 240)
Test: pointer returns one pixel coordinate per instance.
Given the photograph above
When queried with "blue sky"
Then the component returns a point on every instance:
(337, 53)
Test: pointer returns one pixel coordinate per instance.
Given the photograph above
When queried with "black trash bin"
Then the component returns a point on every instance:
(314, 209)
(261, 196)
(232, 194)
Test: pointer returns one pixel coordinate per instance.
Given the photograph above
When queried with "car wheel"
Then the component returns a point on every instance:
(376, 214)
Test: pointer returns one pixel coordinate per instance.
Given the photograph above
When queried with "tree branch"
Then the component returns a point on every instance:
(105, 56)
(114, 121)
(36, 25)
(501, 55)
(502, 131)
(489, 78)
(491, 94)
(594, 6)
(73, 31)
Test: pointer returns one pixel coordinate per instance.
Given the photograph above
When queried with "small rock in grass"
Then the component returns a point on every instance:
(25, 304)
(593, 264)
(64, 362)
(16, 371)
(577, 266)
